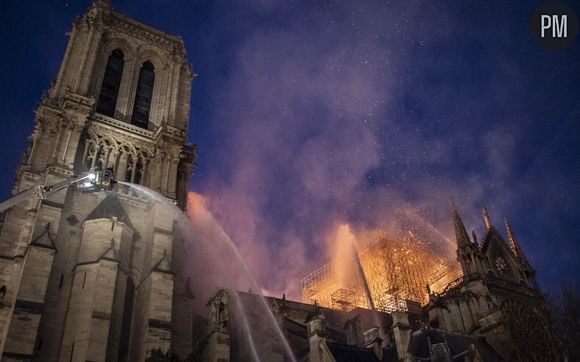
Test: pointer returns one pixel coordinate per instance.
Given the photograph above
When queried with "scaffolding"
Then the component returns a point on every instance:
(444, 275)
(343, 299)
(400, 275)
(318, 276)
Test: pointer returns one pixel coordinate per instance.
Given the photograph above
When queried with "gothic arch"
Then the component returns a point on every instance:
(158, 58)
(110, 83)
(116, 41)
(141, 114)
(494, 246)
(153, 54)
(108, 141)
(128, 148)
(110, 43)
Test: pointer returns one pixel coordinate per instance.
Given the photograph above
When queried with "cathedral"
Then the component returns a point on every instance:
(493, 312)
(100, 275)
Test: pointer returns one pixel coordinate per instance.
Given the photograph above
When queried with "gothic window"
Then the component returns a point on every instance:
(501, 265)
(138, 172)
(129, 172)
(89, 154)
(111, 84)
(143, 95)
(468, 259)
(100, 156)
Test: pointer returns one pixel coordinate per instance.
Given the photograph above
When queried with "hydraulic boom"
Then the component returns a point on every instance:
(94, 179)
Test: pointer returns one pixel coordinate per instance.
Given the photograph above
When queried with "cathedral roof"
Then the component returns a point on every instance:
(110, 253)
(45, 239)
(163, 265)
(111, 207)
(491, 236)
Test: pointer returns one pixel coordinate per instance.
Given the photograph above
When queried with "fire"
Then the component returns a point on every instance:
(399, 274)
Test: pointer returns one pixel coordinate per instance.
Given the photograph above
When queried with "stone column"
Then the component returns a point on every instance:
(66, 61)
(126, 90)
(133, 163)
(88, 145)
(157, 98)
(401, 332)
(113, 158)
(316, 336)
(218, 345)
(156, 173)
(56, 146)
(374, 341)
(34, 144)
(31, 294)
(172, 177)
(81, 56)
(90, 59)
(63, 146)
(121, 171)
(172, 106)
(97, 148)
(144, 179)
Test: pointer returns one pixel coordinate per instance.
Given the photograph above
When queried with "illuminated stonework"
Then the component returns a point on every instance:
(490, 294)
(100, 276)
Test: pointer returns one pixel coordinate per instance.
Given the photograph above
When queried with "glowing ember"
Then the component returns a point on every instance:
(397, 272)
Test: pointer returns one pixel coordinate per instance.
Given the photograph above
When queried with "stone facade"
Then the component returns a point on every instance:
(497, 297)
(494, 312)
(101, 275)
(318, 334)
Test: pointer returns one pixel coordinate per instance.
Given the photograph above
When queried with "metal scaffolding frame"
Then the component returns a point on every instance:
(343, 299)
(397, 271)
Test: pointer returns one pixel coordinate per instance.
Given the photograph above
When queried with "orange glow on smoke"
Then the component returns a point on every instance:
(196, 202)
(397, 271)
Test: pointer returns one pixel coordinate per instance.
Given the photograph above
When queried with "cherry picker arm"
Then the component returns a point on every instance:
(95, 179)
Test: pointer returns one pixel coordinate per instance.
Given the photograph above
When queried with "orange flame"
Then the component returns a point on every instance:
(398, 272)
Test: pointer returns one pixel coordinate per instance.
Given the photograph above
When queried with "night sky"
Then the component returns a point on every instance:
(309, 114)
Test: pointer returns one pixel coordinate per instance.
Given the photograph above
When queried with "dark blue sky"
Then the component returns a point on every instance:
(313, 113)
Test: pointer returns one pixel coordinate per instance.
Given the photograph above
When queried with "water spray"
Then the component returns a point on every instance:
(232, 247)
(246, 325)
(363, 277)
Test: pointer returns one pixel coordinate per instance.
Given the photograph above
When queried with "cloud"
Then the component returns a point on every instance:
(305, 117)
(369, 114)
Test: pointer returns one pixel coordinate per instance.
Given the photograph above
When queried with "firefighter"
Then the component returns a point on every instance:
(108, 178)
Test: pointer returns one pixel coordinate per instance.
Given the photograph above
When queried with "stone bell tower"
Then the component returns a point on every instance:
(101, 275)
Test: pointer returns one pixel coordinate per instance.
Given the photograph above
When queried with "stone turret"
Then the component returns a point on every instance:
(219, 341)
(486, 218)
(401, 332)
(374, 342)
(467, 249)
(526, 268)
(316, 324)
